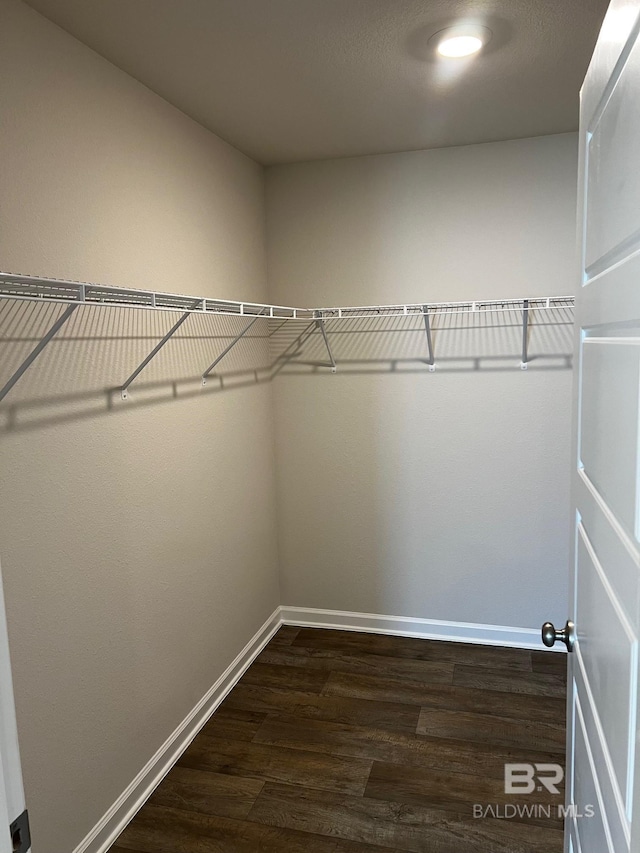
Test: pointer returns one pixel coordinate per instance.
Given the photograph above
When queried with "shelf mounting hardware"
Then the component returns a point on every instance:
(427, 328)
(320, 325)
(231, 346)
(26, 364)
(525, 334)
(123, 390)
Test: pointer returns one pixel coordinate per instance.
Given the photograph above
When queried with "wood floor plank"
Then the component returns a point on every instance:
(346, 742)
(285, 636)
(411, 647)
(492, 729)
(395, 747)
(529, 683)
(403, 827)
(164, 830)
(207, 793)
(455, 698)
(274, 700)
(289, 677)
(430, 671)
(234, 724)
(454, 791)
(554, 663)
(277, 764)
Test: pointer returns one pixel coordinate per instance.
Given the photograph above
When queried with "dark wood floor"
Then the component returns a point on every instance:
(340, 742)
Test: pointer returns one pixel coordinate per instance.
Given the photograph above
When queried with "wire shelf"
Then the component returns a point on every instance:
(83, 293)
(74, 294)
(420, 309)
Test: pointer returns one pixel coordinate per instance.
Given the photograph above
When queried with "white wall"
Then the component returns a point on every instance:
(138, 544)
(401, 492)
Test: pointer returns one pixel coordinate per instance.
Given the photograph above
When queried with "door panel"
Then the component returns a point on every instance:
(613, 216)
(616, 815)
(609, 422)
(603, 677)
(605, 306)
(608, 649)
(615, 38)
(587, 794)
(611, 545)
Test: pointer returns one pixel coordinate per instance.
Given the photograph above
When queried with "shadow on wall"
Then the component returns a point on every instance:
(81, 371)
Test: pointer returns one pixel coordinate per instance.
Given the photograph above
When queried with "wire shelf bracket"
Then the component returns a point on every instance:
(228, 349)
(294, 349)
(26, 364)
(525, 334)
(123, 390)
(323, 331)
(427, 328)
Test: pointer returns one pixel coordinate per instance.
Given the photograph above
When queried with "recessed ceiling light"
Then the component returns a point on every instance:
(461, 41)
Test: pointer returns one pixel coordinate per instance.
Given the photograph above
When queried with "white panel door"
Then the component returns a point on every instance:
(12, 805)
(602, 757)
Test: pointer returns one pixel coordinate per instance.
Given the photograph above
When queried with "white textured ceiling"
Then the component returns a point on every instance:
(287, 80)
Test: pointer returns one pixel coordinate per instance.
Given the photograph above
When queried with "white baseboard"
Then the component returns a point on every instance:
(407, 626)
(105, 832)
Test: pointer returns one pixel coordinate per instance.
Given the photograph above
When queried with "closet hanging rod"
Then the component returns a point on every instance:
(34, 289)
